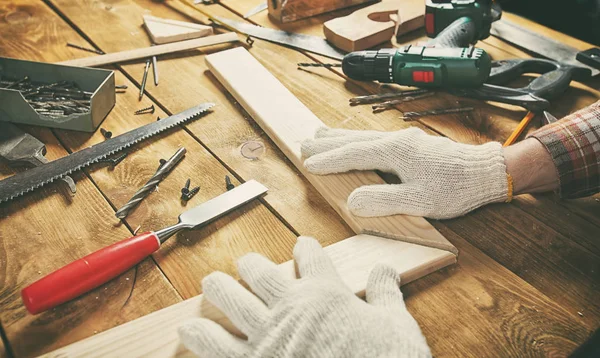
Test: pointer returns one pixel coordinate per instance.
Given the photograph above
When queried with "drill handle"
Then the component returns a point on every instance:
(460, 33)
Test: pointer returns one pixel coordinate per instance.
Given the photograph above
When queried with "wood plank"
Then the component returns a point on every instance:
(156, 334)
(138, 53)
(45, 229)
(163, 31)
(292, 10)
(374, 24)
(289, 122)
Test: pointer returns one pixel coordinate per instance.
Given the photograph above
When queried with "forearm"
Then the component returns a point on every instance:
(531, 167)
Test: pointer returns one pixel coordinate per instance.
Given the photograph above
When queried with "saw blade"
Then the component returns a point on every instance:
(261, 7)
(308, 43)
(31, 179)
(537, 43)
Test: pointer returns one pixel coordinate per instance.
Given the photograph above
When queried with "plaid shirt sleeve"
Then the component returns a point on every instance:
(574, 144)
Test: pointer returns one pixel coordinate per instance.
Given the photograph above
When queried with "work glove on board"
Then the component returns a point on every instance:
(314, 316)
(441, 178)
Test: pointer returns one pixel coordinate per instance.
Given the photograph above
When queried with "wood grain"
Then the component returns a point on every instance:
(375, 24)
(292, 10)
(289, 122)
(156, 334)
(138, 53)
(163, 31)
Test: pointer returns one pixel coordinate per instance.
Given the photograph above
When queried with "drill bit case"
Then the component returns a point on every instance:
(14, 108)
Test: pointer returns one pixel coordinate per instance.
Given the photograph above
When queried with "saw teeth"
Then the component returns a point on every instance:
(126, 145)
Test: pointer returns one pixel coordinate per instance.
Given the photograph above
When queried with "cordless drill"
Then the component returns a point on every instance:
(446, 62)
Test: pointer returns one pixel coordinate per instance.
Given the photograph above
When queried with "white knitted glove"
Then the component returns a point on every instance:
(441, 179)
(314, 316)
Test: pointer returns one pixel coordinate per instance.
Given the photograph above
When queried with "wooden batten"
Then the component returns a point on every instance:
(162, 31)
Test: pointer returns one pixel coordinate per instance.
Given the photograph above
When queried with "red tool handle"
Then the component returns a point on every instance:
(88, 272)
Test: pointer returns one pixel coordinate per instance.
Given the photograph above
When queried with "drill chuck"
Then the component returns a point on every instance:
(420, 66)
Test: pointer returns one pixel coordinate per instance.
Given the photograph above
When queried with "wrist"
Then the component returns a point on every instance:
(531, 167)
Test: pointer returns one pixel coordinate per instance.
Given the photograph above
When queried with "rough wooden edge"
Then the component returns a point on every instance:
(153, 23)
(155, 335)
(292, 10)
(138, 53)
(288, 122)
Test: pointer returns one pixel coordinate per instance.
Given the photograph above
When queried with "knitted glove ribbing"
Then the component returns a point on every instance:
(440, 178)
(314, 316)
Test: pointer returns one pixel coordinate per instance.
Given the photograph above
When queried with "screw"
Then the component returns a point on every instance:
(186, 189)
(105, 133)
(158, 118)
(121, 87)
(189, 195)
(145, 110)
(115, 160)
(228, 184)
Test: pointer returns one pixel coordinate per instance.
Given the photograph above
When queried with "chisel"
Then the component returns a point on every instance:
(105, 264)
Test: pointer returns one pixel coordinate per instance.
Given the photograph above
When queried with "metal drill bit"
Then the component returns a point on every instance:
(326, 65)
(435, 112)
(390, 104)
(160, 174)
(385, 96)
(86, 49)
(144, 79)
(155, 70)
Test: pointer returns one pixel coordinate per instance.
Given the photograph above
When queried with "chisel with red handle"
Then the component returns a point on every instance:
(105, 264)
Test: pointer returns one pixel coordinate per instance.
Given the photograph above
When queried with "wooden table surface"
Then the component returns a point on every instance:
(527, 280)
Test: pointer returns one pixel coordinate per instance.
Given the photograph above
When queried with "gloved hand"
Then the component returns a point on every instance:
(314, 316)
(441, 179)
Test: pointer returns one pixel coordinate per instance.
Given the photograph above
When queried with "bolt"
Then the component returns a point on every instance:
(105, 133)
(145, 110)
(228, 184)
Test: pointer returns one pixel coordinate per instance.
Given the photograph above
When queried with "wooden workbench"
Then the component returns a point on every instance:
(527, 280)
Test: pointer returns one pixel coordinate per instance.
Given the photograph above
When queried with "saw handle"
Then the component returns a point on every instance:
(88, 272)
(460, 33)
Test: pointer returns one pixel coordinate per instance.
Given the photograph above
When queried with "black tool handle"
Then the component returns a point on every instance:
(460, 33)
(554, 79)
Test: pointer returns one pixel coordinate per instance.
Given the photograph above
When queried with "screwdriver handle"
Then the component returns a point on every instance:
(88, 272)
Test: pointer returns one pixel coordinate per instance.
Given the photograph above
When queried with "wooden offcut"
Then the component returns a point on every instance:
(163, 31)
(292, 10)
(375, 24)
(123, 56)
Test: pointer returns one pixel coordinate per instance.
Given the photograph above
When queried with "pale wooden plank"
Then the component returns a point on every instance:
(146, 52)
(163, 31)
(155, 335)
(288, 122)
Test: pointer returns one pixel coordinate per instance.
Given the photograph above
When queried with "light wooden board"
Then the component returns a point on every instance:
(292, 10)
(288, 122)
(155, 335)
(138, 53)
(164, 31)
(375, 24)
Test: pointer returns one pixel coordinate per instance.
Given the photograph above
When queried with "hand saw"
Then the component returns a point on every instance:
(29, 180)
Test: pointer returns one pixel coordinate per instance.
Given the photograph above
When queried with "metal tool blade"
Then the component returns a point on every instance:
(18, 146)
(262, 7)
(537, 43)
(29, 180)
(308, 43)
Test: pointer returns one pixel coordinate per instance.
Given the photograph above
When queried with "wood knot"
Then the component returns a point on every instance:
(252, 149)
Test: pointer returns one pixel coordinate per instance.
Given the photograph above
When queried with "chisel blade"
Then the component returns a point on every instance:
(313, 44)
(537, 43)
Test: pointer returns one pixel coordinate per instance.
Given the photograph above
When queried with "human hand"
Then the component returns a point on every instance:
(314, 316)
(441, 178)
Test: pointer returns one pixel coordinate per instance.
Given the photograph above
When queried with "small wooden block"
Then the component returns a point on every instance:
(292, 10)
(375, 24)
(163, 31)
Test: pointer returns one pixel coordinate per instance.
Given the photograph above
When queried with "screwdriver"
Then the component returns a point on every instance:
(105, 264)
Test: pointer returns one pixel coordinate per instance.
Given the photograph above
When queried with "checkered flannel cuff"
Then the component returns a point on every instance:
(574, 144)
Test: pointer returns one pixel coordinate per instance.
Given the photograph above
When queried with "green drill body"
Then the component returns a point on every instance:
(421, 66)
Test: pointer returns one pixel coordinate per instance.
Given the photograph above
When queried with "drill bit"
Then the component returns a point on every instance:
(435, 112)
(380, 107)
(160, 174)
(326, 65)
(93, 50)
(385, 96)
(155, 70)
(144, 79)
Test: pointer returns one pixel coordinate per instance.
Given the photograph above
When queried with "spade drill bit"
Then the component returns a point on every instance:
(151, 185)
